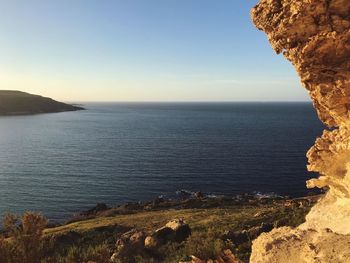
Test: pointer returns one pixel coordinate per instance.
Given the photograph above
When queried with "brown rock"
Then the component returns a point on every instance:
(174, 231)
(314, 35)
(130, 243)
(133, 239)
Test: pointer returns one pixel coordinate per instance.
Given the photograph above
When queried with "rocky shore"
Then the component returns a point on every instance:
(193, 200)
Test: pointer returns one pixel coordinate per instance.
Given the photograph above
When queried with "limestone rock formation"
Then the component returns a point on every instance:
(175, 230)
(286, 245)
(129, 243)
(136, 242)
(314, 35)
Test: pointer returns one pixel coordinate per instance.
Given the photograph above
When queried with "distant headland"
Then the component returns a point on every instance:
(21, 103)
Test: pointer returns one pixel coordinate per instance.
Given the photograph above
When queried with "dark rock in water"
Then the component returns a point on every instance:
(21, 103)
(158, 201)
(184, 194)
(96, 209)
(198, 194)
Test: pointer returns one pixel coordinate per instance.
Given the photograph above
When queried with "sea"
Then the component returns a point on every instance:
(114, 153)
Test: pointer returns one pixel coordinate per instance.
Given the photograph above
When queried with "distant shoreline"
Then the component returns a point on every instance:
(190, 102)
(17, 103)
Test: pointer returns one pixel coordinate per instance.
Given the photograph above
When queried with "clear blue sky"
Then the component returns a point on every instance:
(141, 50)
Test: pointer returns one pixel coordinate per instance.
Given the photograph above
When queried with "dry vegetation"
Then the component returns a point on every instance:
(27, 240)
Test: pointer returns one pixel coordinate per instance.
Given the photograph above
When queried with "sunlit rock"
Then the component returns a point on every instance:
(315, 36)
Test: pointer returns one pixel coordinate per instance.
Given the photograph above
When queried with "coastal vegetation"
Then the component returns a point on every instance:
(216, 224)
(22, 103)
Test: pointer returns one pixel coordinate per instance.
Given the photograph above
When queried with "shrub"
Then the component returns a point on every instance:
(24, 238)
(206, 245)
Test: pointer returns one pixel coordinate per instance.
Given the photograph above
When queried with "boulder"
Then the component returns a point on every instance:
(159, 237)
(129, 243)
(174, 231)
(132, 239)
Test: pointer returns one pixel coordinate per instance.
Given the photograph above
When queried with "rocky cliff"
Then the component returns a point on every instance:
(20, 103)
(314, 35)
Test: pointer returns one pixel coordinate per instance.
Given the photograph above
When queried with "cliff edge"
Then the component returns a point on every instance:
(314, 35)
(21, 103)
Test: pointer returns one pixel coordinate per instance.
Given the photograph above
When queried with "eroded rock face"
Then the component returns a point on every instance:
(286, 245)
(315, 36)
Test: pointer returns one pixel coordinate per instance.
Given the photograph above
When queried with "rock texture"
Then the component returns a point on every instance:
(174, 231)
(315, 36)
(286, 245)
(129, 243)
(137, 242)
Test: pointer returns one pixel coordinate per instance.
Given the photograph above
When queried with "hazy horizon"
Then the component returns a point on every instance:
(133, 51)
(188, 101)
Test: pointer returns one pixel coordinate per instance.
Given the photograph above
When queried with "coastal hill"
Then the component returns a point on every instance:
(22, 103)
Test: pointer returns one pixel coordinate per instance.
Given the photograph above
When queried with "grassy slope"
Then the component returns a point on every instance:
(206, 223)
(17, 103)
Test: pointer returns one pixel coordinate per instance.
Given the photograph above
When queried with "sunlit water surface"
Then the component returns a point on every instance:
(114, 153)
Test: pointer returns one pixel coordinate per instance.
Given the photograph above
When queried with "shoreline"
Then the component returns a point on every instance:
(189, 200)
(214, 224)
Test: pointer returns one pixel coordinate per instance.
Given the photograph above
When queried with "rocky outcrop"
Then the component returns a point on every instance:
(286, 245)
(129, 243)
(174, 231)
(137, 242)
(315, 36)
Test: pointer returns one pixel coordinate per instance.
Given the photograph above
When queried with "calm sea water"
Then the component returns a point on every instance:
(114, 153)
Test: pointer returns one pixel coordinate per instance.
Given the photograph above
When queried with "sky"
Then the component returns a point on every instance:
(141, 50)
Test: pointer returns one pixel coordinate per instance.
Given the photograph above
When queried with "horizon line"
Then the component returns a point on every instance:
(194, 101)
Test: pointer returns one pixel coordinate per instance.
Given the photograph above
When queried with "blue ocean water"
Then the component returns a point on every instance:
(114, 153)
